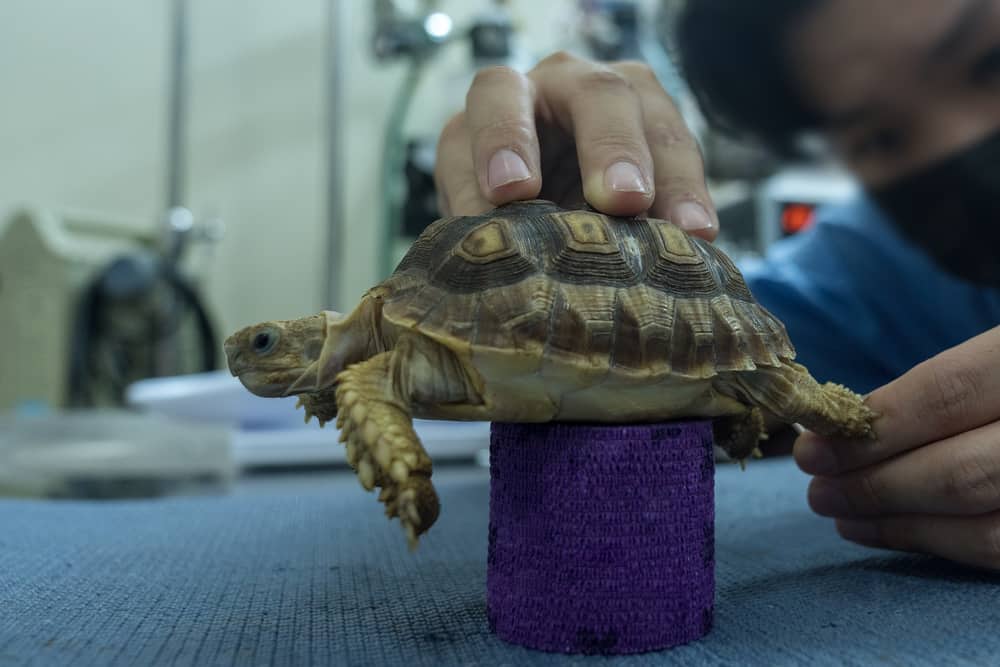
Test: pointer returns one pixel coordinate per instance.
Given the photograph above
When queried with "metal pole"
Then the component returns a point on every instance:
(336, 54)
(177, 103)
(177, 221)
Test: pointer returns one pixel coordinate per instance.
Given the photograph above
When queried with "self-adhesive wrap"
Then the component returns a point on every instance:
(601, 537)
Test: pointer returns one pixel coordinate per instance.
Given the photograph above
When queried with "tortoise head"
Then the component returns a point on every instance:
(282, 357)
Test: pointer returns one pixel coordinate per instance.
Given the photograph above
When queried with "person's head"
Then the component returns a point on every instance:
(893, 85)
(906, 93)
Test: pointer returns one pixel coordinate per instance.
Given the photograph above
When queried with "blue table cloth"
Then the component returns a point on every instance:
(305, 570)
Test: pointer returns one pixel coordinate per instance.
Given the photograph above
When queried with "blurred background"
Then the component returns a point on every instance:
(174, 170)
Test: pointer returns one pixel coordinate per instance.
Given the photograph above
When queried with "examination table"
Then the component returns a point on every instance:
(304, 570)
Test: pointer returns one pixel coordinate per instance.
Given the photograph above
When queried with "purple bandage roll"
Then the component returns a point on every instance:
(602, 537)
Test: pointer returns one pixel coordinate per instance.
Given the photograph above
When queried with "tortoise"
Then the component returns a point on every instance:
(535, 313)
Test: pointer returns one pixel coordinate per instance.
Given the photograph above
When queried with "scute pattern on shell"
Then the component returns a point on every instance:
(634, 295)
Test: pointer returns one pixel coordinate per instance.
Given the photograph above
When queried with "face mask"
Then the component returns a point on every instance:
(951, 209)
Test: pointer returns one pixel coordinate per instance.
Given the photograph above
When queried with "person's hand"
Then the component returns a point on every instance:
(572, 129)
(931, 481)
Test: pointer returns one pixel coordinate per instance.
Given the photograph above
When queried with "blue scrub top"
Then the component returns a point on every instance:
(861, 304)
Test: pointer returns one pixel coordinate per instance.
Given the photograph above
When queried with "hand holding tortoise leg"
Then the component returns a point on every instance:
(931, 480)
(791, 395)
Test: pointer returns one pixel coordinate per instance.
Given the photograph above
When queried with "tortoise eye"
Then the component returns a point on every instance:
(264, 341)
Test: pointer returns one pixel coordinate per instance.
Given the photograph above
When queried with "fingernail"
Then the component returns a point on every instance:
(625, 177)
(506, 167)
(826, 499)
(691, 215)
(865, 532)
(814, 456)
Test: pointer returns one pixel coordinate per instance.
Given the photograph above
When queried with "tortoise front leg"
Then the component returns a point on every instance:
(382, 447)
(319, 404)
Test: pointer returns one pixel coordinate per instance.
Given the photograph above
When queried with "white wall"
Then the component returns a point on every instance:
(82, 117)
(83, 126)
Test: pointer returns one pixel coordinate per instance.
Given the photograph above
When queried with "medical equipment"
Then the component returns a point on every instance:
(786, 201)
(93, 304)
(415, 38)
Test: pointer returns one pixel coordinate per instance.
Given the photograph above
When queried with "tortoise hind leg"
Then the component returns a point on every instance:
(838, 411)
(739, 435)
(793, 395)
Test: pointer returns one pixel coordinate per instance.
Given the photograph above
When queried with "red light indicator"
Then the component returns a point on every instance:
(796, 217)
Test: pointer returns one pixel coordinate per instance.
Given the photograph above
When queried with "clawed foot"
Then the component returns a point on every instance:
(319, 404)
(739, 435)
(384, 450)
(414, 502)
(846, 414)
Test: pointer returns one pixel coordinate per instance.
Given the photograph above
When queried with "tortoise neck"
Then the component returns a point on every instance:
(381, 336)
(384, 337)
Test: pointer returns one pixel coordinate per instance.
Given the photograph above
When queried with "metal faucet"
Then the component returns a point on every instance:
(399, 35)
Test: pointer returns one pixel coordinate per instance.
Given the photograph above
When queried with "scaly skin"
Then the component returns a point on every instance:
(792, 395)
(319, 404)
(381, 447)
(739, 435)
(377, 430)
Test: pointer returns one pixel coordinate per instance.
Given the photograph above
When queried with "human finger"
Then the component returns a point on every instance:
(971, 540)
(600, 108)
(957, 475)
(952, 392)
(681, 194)
(500, 117)
(454, 174)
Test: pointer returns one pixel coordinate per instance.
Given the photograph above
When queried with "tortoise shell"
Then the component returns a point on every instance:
(632, 295)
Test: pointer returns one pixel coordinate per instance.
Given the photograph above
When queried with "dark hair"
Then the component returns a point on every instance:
(732, 54)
